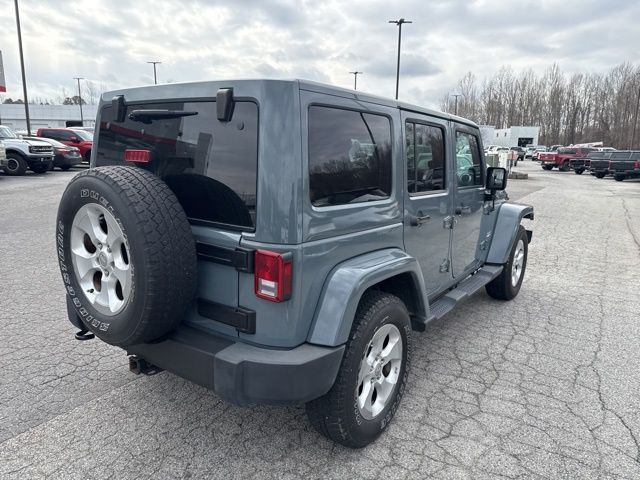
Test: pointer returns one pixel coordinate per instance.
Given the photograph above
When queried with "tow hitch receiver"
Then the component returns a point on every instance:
(139, 365)
(84, 335)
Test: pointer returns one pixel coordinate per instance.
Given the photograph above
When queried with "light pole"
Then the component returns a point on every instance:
(80, 100)
(24, 78)
(399, 24)
(155, 78)
(355, 79)
(456, 95)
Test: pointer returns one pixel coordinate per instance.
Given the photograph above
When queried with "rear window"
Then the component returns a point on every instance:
(211, 166)
(596, 155)
(567, 150)
(620, 156)
(349, 156)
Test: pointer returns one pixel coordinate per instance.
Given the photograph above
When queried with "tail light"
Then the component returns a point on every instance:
(137, 156)
(272, 275)
(636, 165)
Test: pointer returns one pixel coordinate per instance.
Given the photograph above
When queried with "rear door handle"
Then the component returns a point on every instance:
(416, 221)
(463, 210)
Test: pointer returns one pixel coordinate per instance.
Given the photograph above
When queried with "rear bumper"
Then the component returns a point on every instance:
(241, 373)
(245, 374)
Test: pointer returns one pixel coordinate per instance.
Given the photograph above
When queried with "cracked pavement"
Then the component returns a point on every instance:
(544, 386)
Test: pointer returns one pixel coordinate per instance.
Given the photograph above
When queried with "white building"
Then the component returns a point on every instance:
(519, 136)
(12, 115)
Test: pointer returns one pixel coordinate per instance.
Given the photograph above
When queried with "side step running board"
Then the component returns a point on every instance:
(463, 290)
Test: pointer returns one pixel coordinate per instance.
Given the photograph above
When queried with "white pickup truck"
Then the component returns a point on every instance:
(24, 154)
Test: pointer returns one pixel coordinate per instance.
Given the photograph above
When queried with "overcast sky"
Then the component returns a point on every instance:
(109, 41)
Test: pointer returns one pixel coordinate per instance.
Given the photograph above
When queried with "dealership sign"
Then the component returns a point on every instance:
(3, 84)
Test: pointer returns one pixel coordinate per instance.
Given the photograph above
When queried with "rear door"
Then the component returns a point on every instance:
(427, 198)
(211, 166)
(468, 203)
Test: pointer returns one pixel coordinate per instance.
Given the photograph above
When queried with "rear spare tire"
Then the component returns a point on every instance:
(126, 253)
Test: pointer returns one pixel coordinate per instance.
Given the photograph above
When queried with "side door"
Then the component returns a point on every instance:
(468, 199)
(427, 198)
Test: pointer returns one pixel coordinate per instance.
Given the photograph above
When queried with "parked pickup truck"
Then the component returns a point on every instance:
(600, 168)
(580, 164)
(623, 169)
(562, 157)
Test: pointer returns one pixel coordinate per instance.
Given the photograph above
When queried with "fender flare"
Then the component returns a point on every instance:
(505, 230)
(346, 284)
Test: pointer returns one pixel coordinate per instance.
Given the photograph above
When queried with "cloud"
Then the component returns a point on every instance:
(110, 41)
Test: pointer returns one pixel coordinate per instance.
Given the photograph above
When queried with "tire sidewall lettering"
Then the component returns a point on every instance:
(78, 299)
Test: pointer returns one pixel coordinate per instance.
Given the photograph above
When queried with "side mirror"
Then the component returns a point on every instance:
(496, 179)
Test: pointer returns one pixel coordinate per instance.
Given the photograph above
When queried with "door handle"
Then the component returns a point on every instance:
(463, 210)
(416, 221)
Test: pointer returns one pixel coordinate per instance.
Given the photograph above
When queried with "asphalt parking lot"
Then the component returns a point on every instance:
(546, 386)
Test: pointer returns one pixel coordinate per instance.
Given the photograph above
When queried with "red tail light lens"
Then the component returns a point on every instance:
(636, 165)
(137, 156)
(272, 275)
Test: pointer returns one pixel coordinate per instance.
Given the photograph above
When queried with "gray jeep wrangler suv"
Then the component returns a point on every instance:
(278, 241)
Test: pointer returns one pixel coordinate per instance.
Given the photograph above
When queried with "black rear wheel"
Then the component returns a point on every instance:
(619, 178)
(566, 166)
(372, 377)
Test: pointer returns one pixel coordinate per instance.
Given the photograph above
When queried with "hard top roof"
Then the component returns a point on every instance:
(208, 89)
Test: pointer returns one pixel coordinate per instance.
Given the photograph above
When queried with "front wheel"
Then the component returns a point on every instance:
(619, 178)
(579, 171)
(372, 377)
(507, 285)
(16, 165)
(600, 175)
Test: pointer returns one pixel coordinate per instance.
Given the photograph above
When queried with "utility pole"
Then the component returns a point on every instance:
(399, 23)
(355, 79)
(80, 100)
(456, 95)
(155, 77)
(24, 78)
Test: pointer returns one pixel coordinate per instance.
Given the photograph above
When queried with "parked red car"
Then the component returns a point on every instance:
(81, 139)
(562, 157)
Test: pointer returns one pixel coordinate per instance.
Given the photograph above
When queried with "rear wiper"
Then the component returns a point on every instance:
(148, 116)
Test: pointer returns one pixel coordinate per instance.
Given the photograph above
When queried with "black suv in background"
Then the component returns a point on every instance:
(600, 167)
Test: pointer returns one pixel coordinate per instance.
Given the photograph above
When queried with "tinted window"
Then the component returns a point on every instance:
(468, 164)
(635, 155)
(210, 165)
(349, 156)
(620, 155)
(596, 155)
(425, 158)
(567, 150)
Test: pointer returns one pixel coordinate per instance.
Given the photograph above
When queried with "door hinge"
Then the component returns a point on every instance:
(449, 222)
(444, 266)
